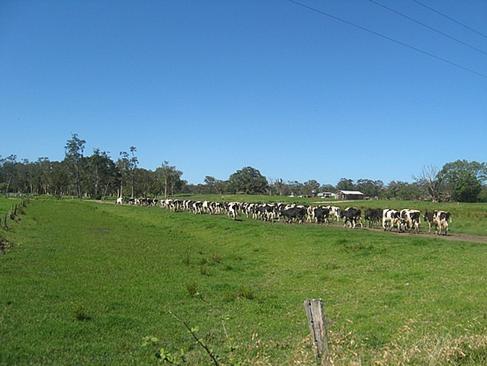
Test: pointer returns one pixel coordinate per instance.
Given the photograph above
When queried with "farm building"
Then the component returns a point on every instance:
(350, 195)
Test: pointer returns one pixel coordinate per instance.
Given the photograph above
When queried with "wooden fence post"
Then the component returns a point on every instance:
(316, 322)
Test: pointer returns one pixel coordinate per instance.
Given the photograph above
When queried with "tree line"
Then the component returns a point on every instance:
(98, 175)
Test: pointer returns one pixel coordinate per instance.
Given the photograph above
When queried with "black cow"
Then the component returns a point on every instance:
(321, 214)
(351, 216)
(293, 214)
(373, 216)
(428, 217)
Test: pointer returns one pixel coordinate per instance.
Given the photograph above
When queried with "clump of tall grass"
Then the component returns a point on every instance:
(216, 258)
(245, 292)
(204, 270)
(80, 314)
(187, 258)
(192, 289)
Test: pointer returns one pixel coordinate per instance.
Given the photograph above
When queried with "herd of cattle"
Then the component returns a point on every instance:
(405, 220)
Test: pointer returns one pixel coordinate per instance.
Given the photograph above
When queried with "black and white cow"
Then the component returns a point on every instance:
(438, 219)
(233, 209)
(442, 219)
(411, 219)
(391, 219)
(310, 214)
(335, 212)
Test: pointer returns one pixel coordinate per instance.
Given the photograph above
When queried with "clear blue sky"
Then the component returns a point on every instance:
(213, 86)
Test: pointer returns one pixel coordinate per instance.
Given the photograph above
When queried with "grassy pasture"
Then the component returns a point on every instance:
(6, 204)
(468, 218)
(85, 282)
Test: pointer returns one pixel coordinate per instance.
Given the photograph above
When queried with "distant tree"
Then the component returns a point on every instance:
(213, 185)
(369, 187)
(45, 175)
(431, 181)
(278, 187)
(452, 170)
(327, 188)
(466, 187)
(483, 194)
(295, 187)
(60, 178)
(310, 187)
(402, 190)
(9, 171)
(169, 178)
(345, 184)
(26, 172)
(463, 179)
(102, 173)
(248, 180)
(146, 182)
(133, 163)
(210, 183)
(282, 188)
(74, 159)
(123, 167)
(221, 186)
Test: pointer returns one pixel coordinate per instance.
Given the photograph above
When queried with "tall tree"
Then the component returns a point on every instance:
(170, 178)
(214, 185)
(278, 186)
(452, 170)
(327, 188)
(123, 166)
(248, 180)
(466, 187)
(431, 182)
(369, 187)
(210, 183)
(60, 178)
(45, 175)
(133, 163)
(9, 171)
(102, 173)
(345, 184)
(463, 179)
(74, 158)
(311, 187)
(403, 190)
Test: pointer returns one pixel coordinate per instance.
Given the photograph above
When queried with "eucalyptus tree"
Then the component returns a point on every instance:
(74, 150)
(102, 173)
(133, 163)
(8, 171)
(169, 178)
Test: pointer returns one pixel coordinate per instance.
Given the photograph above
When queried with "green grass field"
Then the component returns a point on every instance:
(86, 282)
(6, 204)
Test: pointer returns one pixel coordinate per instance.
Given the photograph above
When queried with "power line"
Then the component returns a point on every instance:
(427, 26)
(401, 43)
(450, 18)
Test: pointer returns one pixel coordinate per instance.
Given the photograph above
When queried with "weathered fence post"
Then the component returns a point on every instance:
(316, 322)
